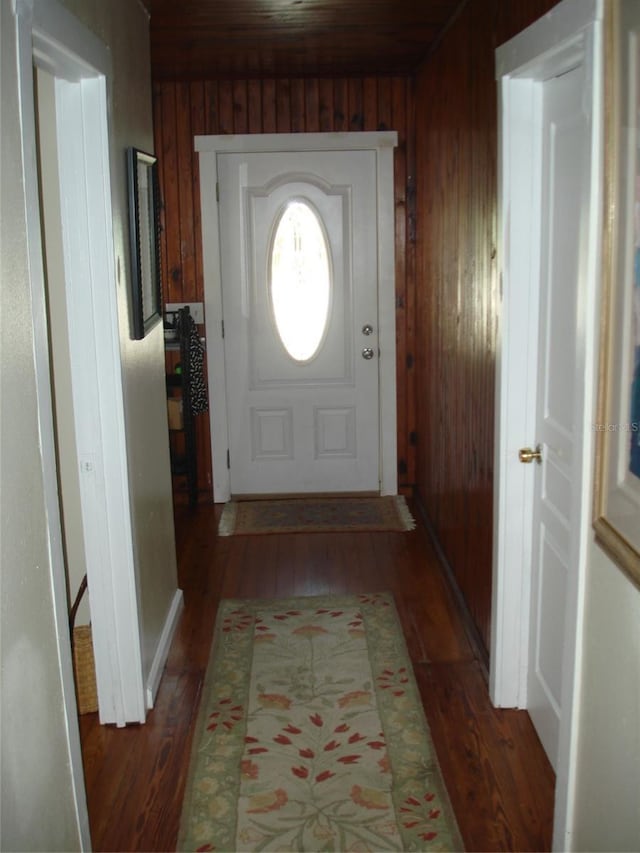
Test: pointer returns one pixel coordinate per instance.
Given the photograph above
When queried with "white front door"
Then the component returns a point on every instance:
(300, 314)
(560, 394)
(301, 340)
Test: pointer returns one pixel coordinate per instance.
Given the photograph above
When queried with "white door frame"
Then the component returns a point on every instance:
(49, 36)
(383, 143)
(568, 35)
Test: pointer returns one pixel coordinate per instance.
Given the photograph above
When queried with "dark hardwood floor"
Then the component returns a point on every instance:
(500, 782)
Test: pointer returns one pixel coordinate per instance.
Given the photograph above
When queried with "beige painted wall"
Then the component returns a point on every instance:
(37, 801)
(123, 25)
(37, 804)
(608, 788)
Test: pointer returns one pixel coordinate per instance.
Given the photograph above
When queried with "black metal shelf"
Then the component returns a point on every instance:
(184, 460)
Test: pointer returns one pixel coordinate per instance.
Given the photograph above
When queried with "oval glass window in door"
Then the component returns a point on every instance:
(300, 280)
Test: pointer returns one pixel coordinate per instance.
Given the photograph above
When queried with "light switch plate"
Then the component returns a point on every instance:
(196, 309)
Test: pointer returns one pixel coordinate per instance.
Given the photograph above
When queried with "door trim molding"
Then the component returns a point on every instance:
(383, 143)
(51, 37)
(568, 35)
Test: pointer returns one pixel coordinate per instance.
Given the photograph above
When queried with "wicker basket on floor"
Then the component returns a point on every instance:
(84, 669)
(84, 665)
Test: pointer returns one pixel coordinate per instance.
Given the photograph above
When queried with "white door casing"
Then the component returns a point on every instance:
(49, 36)
(261, 391)
(568, 37)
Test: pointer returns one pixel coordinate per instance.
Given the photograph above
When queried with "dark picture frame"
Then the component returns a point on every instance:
(144, 235)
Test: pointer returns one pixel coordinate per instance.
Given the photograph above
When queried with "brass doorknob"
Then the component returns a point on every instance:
(527, 455)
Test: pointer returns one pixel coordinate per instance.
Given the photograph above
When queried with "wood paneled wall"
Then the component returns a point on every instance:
(446, 285)
(457, 287)
(184, 110)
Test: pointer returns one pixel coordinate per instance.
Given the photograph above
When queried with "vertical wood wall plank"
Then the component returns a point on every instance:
(198, 112)
(312, 108)
(298, 112)
(384, 104)
(269, 121)
(356, 109)
(157, 94)
(283, 107)
(398, 118)
(325, 105)
(212, 122)
(225, 107)
(412, 342)
(254, 106)
(370, 103)
(184, 147)
(168, 149)
(456, 287)
(340, 105)
(240, 108)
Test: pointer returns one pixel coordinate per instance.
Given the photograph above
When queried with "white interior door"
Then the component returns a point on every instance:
(560, 393)
(299, 269)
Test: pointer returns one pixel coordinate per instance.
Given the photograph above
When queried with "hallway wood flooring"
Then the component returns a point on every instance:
(500, 782)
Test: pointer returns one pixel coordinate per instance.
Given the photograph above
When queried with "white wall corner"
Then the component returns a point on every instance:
(164, 644)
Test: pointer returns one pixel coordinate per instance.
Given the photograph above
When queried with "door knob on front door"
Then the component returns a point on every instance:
(527, 455)
(368, 329)
(367, 353)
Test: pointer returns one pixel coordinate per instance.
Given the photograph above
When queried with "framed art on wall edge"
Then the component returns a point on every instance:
(144, 232)
(617, 483)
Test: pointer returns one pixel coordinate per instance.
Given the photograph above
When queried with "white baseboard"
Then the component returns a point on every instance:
(164, 644)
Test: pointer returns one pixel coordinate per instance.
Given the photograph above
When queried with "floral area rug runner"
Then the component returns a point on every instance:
(312, 736)
(316, 515)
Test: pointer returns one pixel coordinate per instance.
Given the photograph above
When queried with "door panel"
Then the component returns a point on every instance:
(312, 425)
(565, 146)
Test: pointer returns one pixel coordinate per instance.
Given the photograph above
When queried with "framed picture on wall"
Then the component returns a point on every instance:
(144, 233)
(617, 486)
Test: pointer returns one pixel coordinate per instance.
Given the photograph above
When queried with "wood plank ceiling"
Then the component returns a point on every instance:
(208, 39)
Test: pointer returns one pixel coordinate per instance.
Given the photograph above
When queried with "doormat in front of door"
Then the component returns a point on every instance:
(316, 515)
(311, 734)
